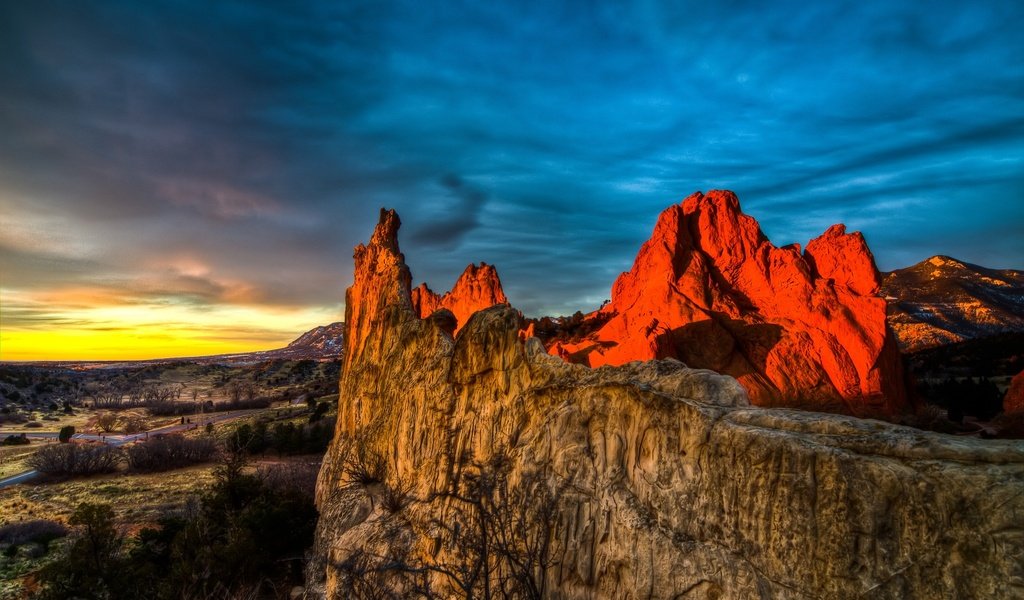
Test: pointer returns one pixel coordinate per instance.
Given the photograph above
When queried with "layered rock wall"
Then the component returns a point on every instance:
(666, 484)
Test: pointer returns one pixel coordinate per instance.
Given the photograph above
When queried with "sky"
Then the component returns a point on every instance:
(187, 178)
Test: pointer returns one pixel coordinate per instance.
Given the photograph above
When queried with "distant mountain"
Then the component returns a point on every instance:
(325, 341)
(943, 300)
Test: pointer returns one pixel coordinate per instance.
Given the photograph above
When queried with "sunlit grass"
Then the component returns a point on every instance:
(137, 499)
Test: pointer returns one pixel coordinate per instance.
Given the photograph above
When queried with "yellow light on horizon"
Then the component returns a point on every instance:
(89, 327)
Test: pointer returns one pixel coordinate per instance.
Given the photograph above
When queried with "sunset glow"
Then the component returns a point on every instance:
(89, 325)
(192, 177)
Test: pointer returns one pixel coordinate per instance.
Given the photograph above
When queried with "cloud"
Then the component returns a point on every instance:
(260, 139)
(454, 215)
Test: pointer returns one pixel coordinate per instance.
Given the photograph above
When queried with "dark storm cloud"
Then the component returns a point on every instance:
(458, 214)
(259, 139)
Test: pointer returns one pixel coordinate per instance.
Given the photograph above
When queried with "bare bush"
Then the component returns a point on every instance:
(107, 421)
(242, 403)
(364, 465)
(497, 539)
(13, 417)
(107, 395)
(39, 531)
(164, 452)
(296, 476)
(75, 459)
(396, 495)
(170, 408)
(134, 424)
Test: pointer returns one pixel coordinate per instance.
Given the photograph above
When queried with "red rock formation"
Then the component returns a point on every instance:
(476, 289)
(425, 301)
(381, 279)
(1014, 400)
(708, 288)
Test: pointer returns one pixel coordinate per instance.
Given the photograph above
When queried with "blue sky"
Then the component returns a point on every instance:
(204, 154)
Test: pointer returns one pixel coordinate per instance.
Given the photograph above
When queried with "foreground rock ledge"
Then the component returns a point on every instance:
(669, 485)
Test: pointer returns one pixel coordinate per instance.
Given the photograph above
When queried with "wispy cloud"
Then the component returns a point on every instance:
(260, 139)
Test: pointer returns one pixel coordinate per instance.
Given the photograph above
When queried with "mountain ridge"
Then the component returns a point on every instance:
(941, 300)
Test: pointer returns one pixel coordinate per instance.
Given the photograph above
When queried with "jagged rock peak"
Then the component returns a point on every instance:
(478, 287)
(381, 278)
(385, 234)
(481, 283)
(797, 329)
(845, 259)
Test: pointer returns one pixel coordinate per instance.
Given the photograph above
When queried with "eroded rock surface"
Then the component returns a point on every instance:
(797, 329)
(666, 484)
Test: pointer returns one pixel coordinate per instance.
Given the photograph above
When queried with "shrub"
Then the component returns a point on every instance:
(39, 531)
(107, 421)
(164, 452)
(75, 459)
(15, 440)
(92, 567)
(318, 412)
(297, 477)
(242, 404)
(34, 425)
(65, 434)
(134, 424)
(396, 495)
(12, 416)
(364, 465)
(170, 408)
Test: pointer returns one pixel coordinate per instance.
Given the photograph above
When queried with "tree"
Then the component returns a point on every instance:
(107, 421)
(66, 433)
(92, 566)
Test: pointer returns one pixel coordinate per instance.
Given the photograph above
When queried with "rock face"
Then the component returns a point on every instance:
(1014, 400)
(647, 480)
(476, 289)
(796, 329)
(943, 300)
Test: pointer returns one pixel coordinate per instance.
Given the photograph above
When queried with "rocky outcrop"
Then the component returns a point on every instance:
(646, 480)
(803, 330)
(1014, 399)
(943, 300)
(476, 289)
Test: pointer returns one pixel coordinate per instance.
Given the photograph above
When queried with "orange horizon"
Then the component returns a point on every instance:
(85, 326)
